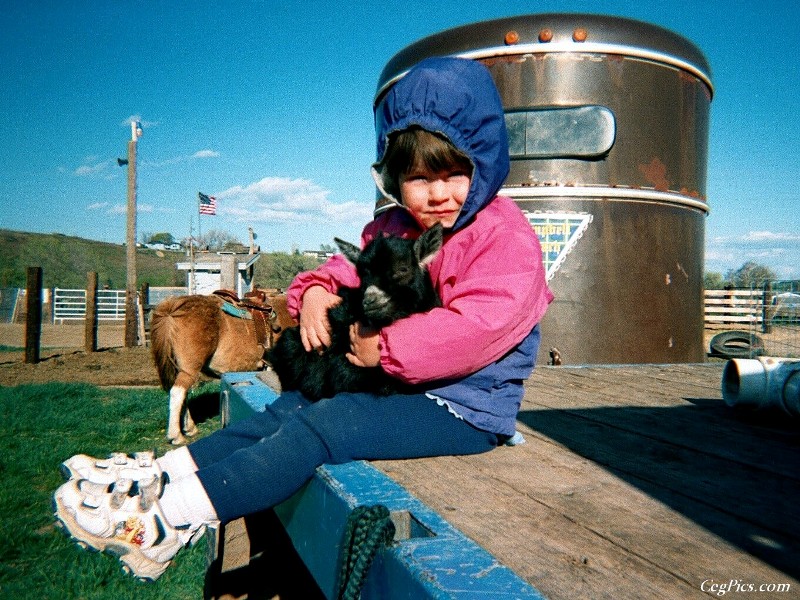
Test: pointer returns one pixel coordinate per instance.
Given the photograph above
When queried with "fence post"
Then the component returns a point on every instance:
(131, 318)
(90, 332)
(766, 324)
(33, 316)
(144, 302)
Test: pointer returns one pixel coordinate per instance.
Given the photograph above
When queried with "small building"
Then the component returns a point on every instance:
(221, 270)
(318, 254)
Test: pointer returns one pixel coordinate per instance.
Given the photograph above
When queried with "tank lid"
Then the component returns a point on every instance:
(556, 32)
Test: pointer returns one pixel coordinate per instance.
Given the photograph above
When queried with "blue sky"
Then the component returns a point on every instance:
(267, 105)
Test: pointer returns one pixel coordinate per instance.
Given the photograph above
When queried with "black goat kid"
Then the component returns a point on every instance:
(394, 284)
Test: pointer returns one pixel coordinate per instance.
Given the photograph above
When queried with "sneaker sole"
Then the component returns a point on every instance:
(133, 560)
(110, 474)
(66, 472)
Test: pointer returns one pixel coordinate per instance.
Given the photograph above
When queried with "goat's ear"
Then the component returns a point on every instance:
(351, 251)
(428, 244)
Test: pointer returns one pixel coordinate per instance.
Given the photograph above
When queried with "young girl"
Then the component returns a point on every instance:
(442, 157)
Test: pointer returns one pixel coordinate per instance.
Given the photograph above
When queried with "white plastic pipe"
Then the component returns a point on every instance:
(763, 382)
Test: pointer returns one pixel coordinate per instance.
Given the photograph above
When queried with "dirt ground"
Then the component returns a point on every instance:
(63, 358)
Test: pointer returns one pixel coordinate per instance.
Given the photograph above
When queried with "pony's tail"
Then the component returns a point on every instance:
(162, 343)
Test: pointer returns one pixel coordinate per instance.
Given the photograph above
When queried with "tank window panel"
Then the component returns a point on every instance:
(578, 132)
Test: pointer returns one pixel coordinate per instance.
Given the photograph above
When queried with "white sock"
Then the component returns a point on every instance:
(185, 502)
(177, 463)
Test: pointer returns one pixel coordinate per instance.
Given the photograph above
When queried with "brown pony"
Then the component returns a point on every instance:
(190, 335)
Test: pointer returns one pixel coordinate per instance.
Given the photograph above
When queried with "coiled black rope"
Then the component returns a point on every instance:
(368, 529)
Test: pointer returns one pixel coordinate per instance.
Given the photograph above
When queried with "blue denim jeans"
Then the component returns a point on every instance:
(259, 462)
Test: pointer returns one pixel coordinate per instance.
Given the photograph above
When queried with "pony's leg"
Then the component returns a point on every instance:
(177, 398)
(189, 428)
(178, 408)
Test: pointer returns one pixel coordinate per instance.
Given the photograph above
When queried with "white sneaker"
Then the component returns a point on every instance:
(123, 519)
(108, 470)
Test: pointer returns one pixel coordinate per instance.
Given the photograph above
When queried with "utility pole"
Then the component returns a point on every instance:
(131, 329)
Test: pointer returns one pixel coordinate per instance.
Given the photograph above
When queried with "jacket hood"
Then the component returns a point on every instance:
(455, 97)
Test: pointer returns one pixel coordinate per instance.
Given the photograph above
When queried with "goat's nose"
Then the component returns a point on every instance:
(375, 297)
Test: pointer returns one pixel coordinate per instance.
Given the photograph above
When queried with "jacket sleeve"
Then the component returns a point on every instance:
(494, 292)
(337, 271)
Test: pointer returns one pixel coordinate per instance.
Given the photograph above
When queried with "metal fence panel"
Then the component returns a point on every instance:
(70, 304)
(8, 304)
(159, 294)
(110, 305)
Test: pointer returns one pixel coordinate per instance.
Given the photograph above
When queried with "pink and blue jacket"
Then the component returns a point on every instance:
(477, 349)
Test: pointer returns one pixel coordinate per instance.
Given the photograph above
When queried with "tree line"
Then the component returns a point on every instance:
(750, 275)
(214, 240)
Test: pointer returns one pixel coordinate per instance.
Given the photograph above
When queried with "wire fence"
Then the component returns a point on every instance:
(761, 321)
(779, 329)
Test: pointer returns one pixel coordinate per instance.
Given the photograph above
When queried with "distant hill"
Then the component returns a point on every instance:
(65, 261)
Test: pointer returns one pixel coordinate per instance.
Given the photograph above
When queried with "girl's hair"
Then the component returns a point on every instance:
(417, 147)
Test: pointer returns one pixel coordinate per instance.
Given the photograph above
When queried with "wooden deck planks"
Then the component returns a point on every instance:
(704, 424)
(635, 482)
(517, 528)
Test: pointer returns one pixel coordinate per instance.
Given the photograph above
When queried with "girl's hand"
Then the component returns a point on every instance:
(365, 350)
(315, 330)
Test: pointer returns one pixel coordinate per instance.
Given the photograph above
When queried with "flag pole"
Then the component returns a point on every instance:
(192, 285)
(199, 221)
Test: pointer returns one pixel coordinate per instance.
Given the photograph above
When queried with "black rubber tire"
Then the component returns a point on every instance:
(736, 344)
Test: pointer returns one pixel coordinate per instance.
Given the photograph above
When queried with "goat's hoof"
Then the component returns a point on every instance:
(191, 432)
(177, 441)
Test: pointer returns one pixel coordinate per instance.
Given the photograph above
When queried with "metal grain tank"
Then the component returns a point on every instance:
(608, 125)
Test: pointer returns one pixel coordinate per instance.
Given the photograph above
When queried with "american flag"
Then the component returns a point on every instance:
(208, 204)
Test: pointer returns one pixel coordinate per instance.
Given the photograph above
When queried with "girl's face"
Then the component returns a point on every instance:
(434, 197)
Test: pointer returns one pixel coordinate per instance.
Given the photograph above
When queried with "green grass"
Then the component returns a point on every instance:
(41, 426)
(65, 260)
